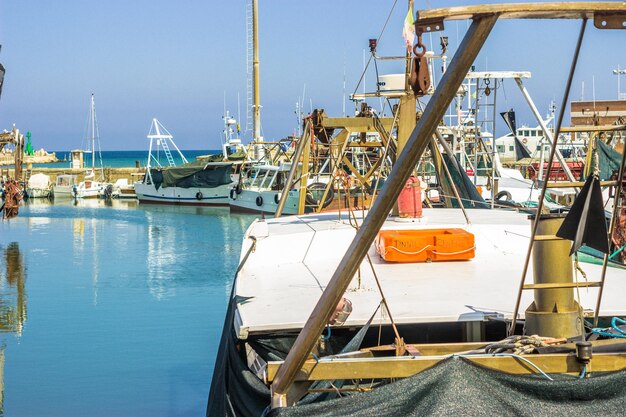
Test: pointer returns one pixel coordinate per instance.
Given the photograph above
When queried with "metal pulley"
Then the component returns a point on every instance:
(487, 89)
(419, 79)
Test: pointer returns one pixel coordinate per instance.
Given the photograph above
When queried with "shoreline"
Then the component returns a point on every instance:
(110, 174)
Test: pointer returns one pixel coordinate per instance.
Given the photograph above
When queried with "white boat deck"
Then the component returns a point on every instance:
(296, 256)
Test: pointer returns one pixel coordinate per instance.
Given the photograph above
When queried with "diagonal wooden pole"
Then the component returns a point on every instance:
(468, 50)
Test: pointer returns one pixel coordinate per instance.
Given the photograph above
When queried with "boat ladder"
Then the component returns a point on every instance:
(168, 154)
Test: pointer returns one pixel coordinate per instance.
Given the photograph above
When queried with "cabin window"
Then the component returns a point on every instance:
(500, 148)
(512, 148)
(533, 133)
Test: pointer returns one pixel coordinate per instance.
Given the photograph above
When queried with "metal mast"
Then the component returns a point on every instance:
(93, 136)
(256, 108)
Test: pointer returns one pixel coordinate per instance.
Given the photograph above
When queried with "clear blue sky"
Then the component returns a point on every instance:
(176, 61)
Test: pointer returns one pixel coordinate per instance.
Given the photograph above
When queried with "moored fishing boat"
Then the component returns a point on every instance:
(202, 182)
(321, 322)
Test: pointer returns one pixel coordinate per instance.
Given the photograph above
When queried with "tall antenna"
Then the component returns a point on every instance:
(249, 59)
(343, 101)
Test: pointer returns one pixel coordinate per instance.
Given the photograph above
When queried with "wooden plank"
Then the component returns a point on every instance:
(406, 366)
(609, 128)
(569, 184)
(428, 19)
(355, 124)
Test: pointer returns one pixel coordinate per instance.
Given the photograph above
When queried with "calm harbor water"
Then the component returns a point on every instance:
(113, 309)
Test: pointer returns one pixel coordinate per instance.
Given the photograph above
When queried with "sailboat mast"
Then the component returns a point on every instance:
(93, 136)
(256, 108)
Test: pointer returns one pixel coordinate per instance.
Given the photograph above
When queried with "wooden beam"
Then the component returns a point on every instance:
(406, 366)
(355, 124)
(607, 128)
(569, 184)
(611, 13)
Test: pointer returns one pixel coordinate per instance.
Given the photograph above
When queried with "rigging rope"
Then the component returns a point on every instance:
(372, 55)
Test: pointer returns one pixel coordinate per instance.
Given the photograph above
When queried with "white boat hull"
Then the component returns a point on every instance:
(62, 191)
(38, 192)
(247, 201)
(217, 196)
(90, 189)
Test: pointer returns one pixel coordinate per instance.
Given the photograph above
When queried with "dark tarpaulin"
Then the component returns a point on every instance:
(235, 390)
(466, 189)
(196, 174)
(609, 161)
(457, 387)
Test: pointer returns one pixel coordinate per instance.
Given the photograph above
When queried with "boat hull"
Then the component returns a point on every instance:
(62, 191)
(247, 201)
(38, 192)
(217, 196)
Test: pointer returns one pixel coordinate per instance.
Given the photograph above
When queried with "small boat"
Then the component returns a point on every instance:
(39, 186)
(92, 187)
(64, 186)
(200, 183)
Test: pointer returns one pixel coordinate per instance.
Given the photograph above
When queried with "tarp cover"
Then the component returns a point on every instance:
(196, 174)
(235, 390)
(609, 160)
(457, 387)
(466, 189)
(39, 181)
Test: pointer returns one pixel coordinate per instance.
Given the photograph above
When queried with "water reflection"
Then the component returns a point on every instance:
(12, 301)
(13, 292)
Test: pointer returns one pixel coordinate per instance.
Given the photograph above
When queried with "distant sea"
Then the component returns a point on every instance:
(121, 159)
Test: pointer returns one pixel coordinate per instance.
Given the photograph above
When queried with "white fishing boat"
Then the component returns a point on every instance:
(201, 182)
(64, 186)
(39, 186)
(92, 186)
(363, 313)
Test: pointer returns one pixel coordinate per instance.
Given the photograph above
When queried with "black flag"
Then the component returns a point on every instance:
(585, 224)
(521, 151)
(509, 119)
(1, 78)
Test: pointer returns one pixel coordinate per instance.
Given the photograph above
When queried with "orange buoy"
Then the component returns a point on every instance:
(425, 245)
(410, 199)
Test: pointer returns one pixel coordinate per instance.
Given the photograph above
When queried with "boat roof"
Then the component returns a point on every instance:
(295, 257)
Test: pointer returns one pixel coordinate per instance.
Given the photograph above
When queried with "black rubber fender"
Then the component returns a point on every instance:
(503, 195)
(199, 195)
(259, 201)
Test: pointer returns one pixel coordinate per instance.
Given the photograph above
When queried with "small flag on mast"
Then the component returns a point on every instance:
(408, 31)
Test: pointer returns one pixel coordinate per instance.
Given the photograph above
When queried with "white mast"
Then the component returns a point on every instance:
(256, 108)
(93, 136)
